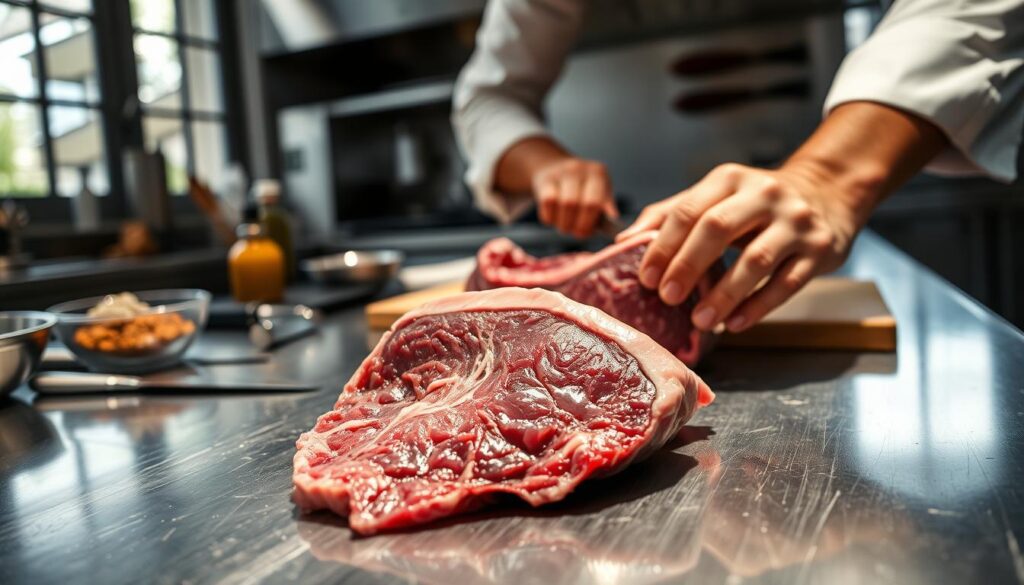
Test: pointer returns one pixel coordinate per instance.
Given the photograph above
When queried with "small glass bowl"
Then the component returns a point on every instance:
(150, 341)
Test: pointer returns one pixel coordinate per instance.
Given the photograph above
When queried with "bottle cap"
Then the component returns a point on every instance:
(250, 226)
(250, 213)
(266, 191)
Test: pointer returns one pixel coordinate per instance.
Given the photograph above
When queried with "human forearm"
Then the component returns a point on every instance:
(571, 193)
(522, 161)
(520, 50)
(957, 65)
(866, 151)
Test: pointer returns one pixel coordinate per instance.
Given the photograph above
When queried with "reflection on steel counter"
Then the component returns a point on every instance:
(757, 515)
(25, 436)
(798, 515)
(610, 531)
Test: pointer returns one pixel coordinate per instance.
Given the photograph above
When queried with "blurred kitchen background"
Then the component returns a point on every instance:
(347, 103)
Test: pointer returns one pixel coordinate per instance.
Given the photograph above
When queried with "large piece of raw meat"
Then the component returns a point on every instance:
(512, 391)
(607, 280)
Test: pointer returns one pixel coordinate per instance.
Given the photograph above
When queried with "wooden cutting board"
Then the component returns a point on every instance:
(830, 312)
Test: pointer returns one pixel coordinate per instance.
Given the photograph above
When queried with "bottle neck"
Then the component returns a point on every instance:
(250, 231)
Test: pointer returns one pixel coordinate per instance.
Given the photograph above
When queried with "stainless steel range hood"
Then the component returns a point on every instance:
(288, 26)
(296, 25)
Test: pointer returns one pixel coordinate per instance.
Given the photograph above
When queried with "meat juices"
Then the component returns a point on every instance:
(512, 391)
(607, 280)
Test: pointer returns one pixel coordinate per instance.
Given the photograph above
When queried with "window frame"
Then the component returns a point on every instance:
(119, 109)
(42, 100)
(187, 114)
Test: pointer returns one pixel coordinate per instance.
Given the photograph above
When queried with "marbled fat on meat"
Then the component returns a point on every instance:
(607, 280)
(508, 391)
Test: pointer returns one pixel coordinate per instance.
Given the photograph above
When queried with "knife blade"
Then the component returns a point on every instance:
(64, 383)
(609, 226)
(59, 357)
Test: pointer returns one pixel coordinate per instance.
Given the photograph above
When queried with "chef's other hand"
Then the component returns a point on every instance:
(572, 194)
(790, 224)
(789, 228)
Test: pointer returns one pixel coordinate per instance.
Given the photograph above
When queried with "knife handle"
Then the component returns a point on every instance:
(79, 383)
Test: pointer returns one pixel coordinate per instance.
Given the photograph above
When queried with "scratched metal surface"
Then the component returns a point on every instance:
(811, 467)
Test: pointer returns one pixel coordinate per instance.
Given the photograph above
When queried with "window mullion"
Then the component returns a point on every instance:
(65, 13)
(188, 39)
(44, 114)
(186, 101)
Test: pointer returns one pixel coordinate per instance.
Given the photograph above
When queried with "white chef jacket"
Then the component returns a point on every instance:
(956, 63)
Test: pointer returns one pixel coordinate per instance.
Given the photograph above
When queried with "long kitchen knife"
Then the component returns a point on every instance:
(86, 383)
(609, 226)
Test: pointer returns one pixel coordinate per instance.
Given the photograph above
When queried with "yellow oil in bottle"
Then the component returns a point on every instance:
(256, 266)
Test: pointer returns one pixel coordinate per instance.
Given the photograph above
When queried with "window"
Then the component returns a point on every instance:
(180, 87)
(71, 72)
(51, 130)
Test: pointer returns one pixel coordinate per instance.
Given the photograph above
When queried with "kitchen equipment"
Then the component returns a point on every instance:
(716, 100)
(381, 314)
(146, 186)
(354, 266)
(409, 165)
(717, 61)
(149, 341)
(23, 337)
(609, 226)
(830, 312)
(85, 206)
(650, 150)
(13, 220)
(86, 383)
(423, 276)
(228, 313)
(373, 161)
(276, 325)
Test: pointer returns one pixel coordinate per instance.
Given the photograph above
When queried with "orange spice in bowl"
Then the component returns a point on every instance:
(136, 335)
(132, 328)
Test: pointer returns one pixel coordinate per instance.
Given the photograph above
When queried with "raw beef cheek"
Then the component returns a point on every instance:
(453, 407)
(607, 280)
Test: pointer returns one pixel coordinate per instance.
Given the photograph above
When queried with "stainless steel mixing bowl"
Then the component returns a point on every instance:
(23, 337)
(374, 267)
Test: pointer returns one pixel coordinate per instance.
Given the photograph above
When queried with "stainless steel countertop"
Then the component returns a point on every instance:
(810, 467)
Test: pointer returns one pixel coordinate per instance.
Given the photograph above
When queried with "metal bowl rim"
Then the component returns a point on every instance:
(49, 320)
(389, 258)
(200, 298)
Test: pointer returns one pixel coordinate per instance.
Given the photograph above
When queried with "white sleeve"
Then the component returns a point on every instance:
(520, 50)
(957, 64)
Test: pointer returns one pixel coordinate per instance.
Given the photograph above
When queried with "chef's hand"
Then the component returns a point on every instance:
(789, 227)
(790, 224)
(572, 194)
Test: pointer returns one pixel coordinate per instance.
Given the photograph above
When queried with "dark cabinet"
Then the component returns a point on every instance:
(969, 232)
